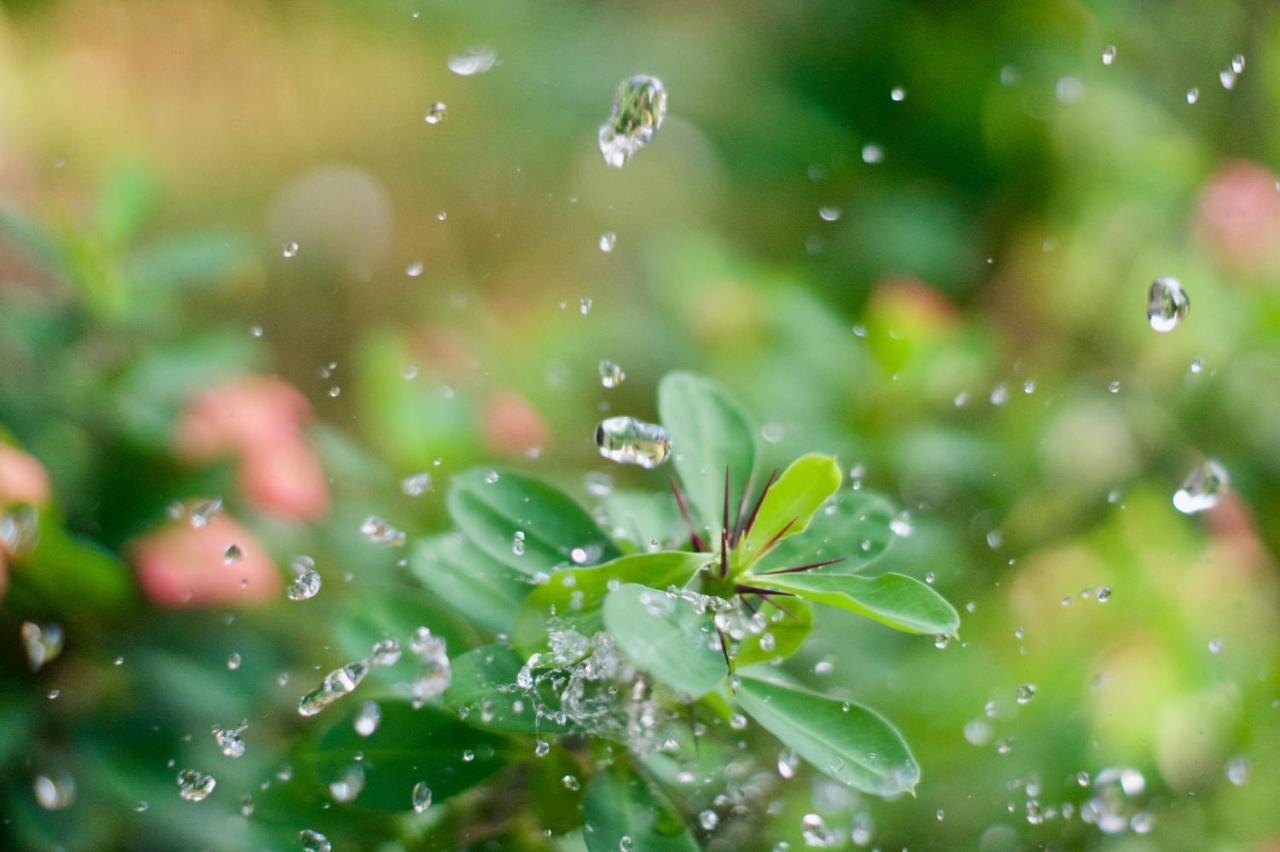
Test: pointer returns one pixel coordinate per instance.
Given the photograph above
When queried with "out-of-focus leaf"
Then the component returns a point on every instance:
(621, 804)
(901, 602)
(409, 746)
(574, 597)
(35, 241)
(71, 571)
(790, 503)
(558, 807)
(469, 580)
(643, 517)
(484, 684)
(553, 525)
(849, 742)
(709, 434)
(128, 203)
(789, 624)
(853, 526)
(666, 637)
(187, 260)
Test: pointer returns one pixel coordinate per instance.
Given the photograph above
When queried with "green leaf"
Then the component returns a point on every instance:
(72, 571)
(791, 502)
(643, 517)
(902, 602)
(409, 746)
(709, 432)
(852, 526)
(789, 624)
(620, 804)
(480, 682)
(470, 581)
(128, 203)
(491, 513)
(849, 742)
(666, 637)
(574, 597)
(187, 260)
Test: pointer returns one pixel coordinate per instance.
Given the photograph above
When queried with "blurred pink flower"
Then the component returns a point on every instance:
(1239, 215)
(181, 565)
(22, 478)
(258, 421)
(511, 424)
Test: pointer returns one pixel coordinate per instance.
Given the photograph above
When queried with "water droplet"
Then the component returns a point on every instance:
(1103, 594)
(999, 394)
(368, 719)
(977, 732)
(436, 113)
(901, 526)
(611, 374)
(233, 661)
(571, 782)
(788, 763)
(1167, 304)
(517, 543)
(1113, 386)
(1004, 746)
(1109, 54)
(416, 484)
(232, 554)
(435, 671)
(897, 94)
(230, 740)
(475, 60)
(829, 214)
(42, 644)
(607, 241)
(584, 306)
(630, 441)
(201, 513)
(1202, 489)
(54, 793)
(1238, 771)
(1227, 78)
(708, 819)
(378, 531)
(414, 269)
(1216, 645)
(872, 154)
(348, 785)
(1111, 807)
(1193, 95)
(336, 684)
(421, 797)
(1025, 693)
(195, 786)
(314, 841)
(305, 586)
(639, 107)
(290, 250)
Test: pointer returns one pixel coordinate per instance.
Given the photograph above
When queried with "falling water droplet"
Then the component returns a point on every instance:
(1227, 78)
(1167, 304)
(607, 241)
(829, 214)
(436, 113)
(230, 740)
(348, 785)
(54, 793)
(872, 154)
(1025, 693)
(639, 107)
(476, 60)
(336, 684)
(195, 786)
(416, 484)
(421, 797)
(305, 586)
(232, 554)
(42, 644)
(611, 374)
(1238, 771)
(290, 250)
(367, 720)
(897, 94)
(314, 841)
(1193, 95)
(1109, 54)
(385, 652)
(630, 441)
(233, 661)
(517, 543)
(1202, 489)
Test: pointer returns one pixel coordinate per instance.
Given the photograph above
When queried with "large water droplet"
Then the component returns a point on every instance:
(476, 60)
(1202, 489)
(42, 644)
(195, 786)
(1167, 304)
(639, 106)
(630, 441)
(336, 684)
(305, 586)
(54, 792)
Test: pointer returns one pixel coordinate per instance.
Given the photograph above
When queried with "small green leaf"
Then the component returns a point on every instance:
(853, 526)
(128, 203)
(409, 746)
(483, 684)
(490, 513)
(643, 517)
(709, 433)
(620, 804)
(849, 742)
(666, 637)
(469, 580)
(789, 624)
(574, 597)
(791, 501)
(902, 602)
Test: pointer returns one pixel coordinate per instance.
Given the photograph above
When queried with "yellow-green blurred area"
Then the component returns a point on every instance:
(916, 235)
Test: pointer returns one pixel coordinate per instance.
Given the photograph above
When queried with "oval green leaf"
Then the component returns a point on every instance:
(620, 804)
(853, 527)
(469, 580)
(483, 687)
(790, 503)
(851, 743)
(901, 602)
(491, 513)
(709, 433)
(574, 597)
(789, 624)
(666, 637)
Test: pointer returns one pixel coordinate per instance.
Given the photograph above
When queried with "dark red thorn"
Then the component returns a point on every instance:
(755, 510)
(774, 603)
(777, 538)
(764, 593)
(724, 553)
(804, 567)
(740, 514)
(698, 544)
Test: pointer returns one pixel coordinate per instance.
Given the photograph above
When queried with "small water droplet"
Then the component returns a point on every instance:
(347, 786)
(1193, 95)
(54, 792)
(607, 241)
(475, 60)
(233, 662)
(1238, 771)
(1025, 693)
(314, 841)
(611, 374)
(230, 740)
(421, 797)
(1109, 54)
(1202, 489)
(897, 94)
(517, 543)
(630, 441)
(368, 719)
(290, 250)
(42, 644)
(1227, 78)
(305, 586)
(436, 113)
(829, 214)
(1216, 645)
(1237, 63)
(872, 154)
(416, 484)
(195, 786)
(708, 819)
(336, 684)
(639, 107)
(1167, 304)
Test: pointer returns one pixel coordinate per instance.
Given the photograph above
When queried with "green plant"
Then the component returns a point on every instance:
(652, 639)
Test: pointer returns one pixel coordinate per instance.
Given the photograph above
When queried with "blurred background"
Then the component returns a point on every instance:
(245, 257)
